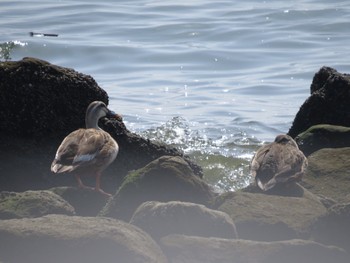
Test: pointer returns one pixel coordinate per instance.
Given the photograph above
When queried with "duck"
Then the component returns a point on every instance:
(280, 162)
(88, 151)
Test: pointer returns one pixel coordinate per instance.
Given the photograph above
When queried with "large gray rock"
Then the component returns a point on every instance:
(181, 249)
(161, 219)
(168, 178)
(327, 104)
(32, 204)
(59, 238)
(264, 217)
(328, 173)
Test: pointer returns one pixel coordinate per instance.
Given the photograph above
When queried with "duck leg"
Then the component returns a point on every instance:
(80, 183)
(98, 185)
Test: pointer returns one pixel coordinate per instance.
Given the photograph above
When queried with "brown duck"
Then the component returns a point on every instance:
(277, 163)
(87, 151)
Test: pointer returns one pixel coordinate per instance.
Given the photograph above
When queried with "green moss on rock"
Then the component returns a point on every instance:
(168, 178)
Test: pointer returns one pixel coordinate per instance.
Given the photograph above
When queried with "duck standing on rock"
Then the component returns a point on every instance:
(88, 151)
(278, 162)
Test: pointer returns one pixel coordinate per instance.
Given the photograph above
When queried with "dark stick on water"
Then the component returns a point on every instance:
(32, 34)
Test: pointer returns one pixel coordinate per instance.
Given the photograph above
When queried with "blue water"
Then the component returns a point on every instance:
(215, 78)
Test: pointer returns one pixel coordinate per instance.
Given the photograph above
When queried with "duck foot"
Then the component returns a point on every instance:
(103, 192)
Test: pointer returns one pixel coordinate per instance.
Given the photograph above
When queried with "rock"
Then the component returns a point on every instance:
(85, 202)
(211, 250)
(60, 238)
(333, 228)
(161, 219)
(328, 174)
(40, 104)
(328, 102)
(39, 98)
(266, 217)
(323, 136)
(32, 204)
(168, 178)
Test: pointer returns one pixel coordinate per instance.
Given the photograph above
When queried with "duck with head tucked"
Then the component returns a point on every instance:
(88, 151)
(280, 162)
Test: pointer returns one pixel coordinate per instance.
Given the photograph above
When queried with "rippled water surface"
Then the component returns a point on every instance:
(216, 78)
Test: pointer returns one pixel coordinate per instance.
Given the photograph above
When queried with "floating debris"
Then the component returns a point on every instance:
(32, 34)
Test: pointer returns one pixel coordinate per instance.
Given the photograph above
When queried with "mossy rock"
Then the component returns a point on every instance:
(328, 173)
(32, 204)
(265, 217)
(62, 238)
(168, 178)
(323, 136)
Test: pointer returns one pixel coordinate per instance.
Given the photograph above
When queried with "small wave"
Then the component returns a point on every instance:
(6, 49)
(224, 154)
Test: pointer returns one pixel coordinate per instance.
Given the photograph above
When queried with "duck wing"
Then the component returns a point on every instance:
(79, 148)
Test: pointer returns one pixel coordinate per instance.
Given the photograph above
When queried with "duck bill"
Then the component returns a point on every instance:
(112, 114)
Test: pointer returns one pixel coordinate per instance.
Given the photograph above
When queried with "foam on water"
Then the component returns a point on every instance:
(225, 159)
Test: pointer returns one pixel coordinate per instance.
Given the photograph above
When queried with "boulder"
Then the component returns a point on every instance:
(192, 249)
(32, 204)
(40, 104)
(333, 228)
(60, 238)
(168, 178)
(327, 104)
(323, 136)
(39, 99)
(328, 174)
(267, 217)
(161, 219)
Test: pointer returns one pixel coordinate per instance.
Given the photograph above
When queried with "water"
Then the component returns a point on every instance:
(215, 78)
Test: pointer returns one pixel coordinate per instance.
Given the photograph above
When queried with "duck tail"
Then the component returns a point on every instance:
(266, 186)
(59, 168)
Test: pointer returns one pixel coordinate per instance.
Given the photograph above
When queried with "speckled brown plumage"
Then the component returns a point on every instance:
(278, 162)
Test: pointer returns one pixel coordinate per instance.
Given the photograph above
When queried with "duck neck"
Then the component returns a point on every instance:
(91, 122)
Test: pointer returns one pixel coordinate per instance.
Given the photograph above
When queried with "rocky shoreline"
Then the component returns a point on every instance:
(161, 209)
